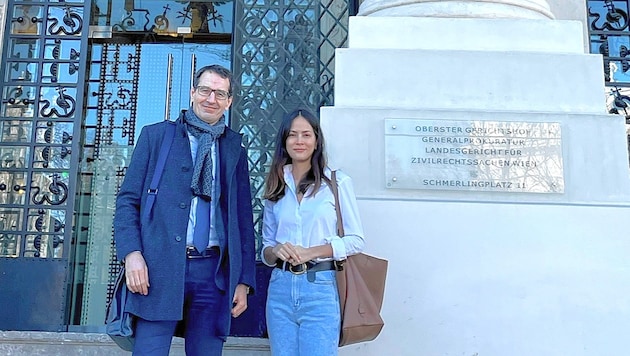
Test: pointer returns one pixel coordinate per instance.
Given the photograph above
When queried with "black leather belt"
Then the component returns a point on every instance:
(309, 266)
(191, 252)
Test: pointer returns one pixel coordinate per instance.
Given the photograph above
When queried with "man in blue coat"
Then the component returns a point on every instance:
(190, 257)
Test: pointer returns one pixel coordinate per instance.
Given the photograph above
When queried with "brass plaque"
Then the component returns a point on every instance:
(474, 155)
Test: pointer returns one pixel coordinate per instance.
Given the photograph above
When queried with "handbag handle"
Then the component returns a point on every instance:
(335, 191)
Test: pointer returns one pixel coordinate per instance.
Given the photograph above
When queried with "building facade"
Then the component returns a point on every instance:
(80, 79)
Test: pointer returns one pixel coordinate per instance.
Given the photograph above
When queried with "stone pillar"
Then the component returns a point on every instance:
(518, 268)
(524, 9)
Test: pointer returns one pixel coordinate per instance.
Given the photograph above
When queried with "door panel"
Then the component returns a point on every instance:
(130, 86)
(42, 70)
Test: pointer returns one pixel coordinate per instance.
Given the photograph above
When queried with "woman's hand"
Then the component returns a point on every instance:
(295, 254)
(304, 254)
(287, 252)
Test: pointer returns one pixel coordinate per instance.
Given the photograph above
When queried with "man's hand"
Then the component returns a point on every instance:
(240, 300)
(136, 273)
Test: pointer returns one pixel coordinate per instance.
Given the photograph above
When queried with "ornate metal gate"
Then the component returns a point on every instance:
(284, 57)
(609, 32)
(43, 64)
(73, 101)
(143, 60)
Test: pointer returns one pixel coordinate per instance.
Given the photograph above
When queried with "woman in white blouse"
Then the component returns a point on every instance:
(300, 240)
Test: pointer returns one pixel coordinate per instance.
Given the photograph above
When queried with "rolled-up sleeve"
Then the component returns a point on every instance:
(353, 242)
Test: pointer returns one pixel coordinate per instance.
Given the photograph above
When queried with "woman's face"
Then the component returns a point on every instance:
(301, 141)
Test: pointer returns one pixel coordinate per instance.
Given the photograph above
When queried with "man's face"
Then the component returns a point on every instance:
(210, 107)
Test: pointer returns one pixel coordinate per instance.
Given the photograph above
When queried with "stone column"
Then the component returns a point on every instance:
(523, 9)
(509, 270)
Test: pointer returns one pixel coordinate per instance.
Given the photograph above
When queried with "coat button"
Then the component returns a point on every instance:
(178, 238)
(183, 205)
(185, 168)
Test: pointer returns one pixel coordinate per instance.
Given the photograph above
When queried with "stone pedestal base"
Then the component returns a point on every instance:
(491, 273)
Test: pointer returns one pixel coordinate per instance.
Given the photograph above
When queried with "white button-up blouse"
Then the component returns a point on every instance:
(313, 221)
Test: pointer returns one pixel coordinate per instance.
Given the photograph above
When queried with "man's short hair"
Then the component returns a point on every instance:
(214, 68)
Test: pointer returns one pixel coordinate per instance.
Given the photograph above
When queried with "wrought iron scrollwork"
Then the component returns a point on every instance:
(200, 16)
(206, 11)
(66, 137)
(615, 18)
(42, 78)
(73, 67)
(327, 90)
(161, 21)
(72, 23)
(47, 154)
(56, 188)
(284, 57)
(63, 101)
(15, 97)
(54, 240)
(128, 22)
(117, 94)
(123, 98)
(609, 27)
(620, 103)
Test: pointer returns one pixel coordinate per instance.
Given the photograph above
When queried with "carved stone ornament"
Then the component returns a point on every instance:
(526, 9)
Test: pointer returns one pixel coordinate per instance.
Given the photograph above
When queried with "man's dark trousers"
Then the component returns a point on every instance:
(203, 302)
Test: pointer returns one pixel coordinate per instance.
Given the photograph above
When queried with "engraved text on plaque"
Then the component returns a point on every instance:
(501, 156)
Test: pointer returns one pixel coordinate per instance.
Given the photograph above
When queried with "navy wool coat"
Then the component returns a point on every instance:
(162, 237)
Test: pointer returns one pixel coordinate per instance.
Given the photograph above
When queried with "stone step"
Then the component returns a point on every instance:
(15, 343)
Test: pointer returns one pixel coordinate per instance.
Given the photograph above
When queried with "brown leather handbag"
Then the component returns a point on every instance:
(361, 284)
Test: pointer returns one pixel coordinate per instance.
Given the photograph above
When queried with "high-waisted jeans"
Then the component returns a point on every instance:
(303, 316)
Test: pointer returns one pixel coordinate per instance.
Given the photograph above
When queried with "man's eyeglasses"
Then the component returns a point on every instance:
(218, 93)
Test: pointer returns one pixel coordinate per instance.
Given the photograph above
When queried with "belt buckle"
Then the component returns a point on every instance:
(191, 252)
(338, 265)
(303, 265)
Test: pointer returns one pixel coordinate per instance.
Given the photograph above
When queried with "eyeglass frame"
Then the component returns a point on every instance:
(217, 92)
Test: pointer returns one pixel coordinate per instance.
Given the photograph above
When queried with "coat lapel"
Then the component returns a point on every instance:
(181, 143)
(229, 153)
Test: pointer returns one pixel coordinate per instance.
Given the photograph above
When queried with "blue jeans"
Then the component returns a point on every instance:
(203, 303)
(303, 316)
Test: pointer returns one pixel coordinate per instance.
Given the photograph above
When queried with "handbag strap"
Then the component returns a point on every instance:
(167, 141)
(335, 191)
